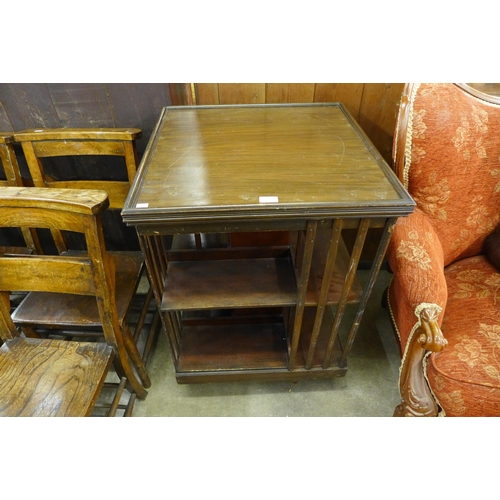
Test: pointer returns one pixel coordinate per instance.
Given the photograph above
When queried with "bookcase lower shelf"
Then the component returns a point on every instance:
(246, 346)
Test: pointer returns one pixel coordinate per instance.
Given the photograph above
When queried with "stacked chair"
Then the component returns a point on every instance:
(10, 169)
(48, 377)
(55, 314)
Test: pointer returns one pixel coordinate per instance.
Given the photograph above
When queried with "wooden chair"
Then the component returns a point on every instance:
(45, 377)
(70, 316)
(444, 295)
(12, 174)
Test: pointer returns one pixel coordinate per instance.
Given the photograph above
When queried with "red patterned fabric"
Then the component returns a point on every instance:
(416, 258)
(465, 377)
(453, 173)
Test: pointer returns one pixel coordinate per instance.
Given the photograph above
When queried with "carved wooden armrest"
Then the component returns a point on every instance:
(416, 396)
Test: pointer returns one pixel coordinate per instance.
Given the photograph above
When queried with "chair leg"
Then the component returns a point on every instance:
(125, 370)
(135, 356)
(130, 406)
(116, 399)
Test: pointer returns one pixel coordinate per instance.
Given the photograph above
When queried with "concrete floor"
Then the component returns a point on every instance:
(370, 388)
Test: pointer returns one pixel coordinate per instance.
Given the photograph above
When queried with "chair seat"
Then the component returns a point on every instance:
(49, 378)
(58, 310)
(465, 376)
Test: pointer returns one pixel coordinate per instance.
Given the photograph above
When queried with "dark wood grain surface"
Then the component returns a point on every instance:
(219, 161)
(50, 378)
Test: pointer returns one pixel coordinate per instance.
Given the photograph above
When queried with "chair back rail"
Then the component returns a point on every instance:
(41, 144)
(8, 161)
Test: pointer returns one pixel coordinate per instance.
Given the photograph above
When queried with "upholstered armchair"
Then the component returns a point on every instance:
(445, 295)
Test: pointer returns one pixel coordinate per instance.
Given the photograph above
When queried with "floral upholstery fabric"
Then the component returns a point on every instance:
(452, 170)
(416, 258)
(465, 377)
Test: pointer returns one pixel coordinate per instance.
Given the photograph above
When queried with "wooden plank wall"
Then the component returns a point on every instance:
(373, 105)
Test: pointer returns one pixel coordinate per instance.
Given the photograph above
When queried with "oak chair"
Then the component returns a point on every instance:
(70, 316)
(46, 377)
(10, 170)
(444, 295)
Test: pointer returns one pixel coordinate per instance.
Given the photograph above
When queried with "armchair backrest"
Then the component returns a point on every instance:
(447, 154)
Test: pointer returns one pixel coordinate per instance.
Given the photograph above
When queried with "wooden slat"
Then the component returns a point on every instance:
(336, 282)
(305, 270)
(117, 191)
(36, 273)
(180, 94)
(377, 114)
(74, 134)
(377, 263)
(207, 93)
(329, 266)
(242, 93)
(289, 92)
(349, 94)
(7, 328)
(349, 279)
(68, 148)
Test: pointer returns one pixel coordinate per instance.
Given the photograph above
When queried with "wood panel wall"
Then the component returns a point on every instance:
(373, 105)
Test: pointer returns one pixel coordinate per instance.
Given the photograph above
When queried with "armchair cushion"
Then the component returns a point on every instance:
(465, 377)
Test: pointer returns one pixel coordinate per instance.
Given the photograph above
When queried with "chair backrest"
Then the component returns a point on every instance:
(8, 162)
(447, 154)
(93, 274)
(39, 145)
(12, 174)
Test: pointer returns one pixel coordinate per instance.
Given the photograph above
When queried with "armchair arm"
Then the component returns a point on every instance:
(415, 256)
(418, 291)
